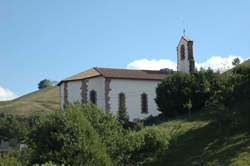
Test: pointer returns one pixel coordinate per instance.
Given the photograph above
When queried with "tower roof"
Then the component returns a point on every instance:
(186, 38)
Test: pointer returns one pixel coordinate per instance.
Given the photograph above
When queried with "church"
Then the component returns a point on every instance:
(111, 88)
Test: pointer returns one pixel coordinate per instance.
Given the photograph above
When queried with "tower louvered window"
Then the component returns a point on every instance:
(182, 52)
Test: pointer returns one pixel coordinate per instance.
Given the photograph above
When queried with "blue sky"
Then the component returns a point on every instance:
(55, 39)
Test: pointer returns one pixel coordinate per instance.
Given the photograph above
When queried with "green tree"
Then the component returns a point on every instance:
(45, 84)
(181, 92)
(122, 114)
(173, 92)
(66, 138)
(236, 61)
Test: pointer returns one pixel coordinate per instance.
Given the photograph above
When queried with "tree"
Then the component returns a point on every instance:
(66, 138)
(236, 61)
(122, 114)
(45, 84)
(181, 92)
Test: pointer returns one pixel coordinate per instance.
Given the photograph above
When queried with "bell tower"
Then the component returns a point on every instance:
(185, 58)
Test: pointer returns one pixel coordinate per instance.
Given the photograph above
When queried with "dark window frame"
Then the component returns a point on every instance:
(93, 97)
(121, 100)
(144, 103)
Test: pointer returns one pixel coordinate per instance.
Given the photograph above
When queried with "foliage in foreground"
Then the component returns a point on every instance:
(14, 127)
(66, 138)
(126, 146)
(8, 160)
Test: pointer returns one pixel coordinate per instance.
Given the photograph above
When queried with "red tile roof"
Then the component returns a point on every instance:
(119, 73)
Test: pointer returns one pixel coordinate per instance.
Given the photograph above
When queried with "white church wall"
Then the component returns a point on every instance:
(74, 91)
(61, 95)
(97, 84)
(133, 90)
(183, 64)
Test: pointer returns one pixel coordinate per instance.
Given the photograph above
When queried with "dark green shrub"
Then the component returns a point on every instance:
(110, 131)
(145, 146)
(182, 93)
(66, 137)
(14, 127)
(123, 117)
(172, 93)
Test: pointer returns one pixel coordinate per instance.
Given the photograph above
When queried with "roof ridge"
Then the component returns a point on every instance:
(98, 70)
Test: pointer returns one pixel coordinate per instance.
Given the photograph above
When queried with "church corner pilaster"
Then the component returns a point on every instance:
(65, 92)
(84, 91)
(107, 97)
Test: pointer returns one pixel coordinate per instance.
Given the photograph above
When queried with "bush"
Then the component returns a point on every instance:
(8, 160)
(110, 130)
(66, 138)
(180, 92)
(48, 164)
(172, 93)
(144, 147)
(14, 127)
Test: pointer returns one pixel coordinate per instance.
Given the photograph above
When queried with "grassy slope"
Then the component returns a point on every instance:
(45, 100)
(199, 142)
(246, 63)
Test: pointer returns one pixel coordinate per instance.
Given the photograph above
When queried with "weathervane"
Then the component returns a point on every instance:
(184, 32)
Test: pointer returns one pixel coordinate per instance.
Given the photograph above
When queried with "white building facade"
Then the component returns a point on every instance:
(108, 88)
(111, 88)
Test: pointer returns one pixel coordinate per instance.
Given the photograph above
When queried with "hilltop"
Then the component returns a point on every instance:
(41, 101)
(246, 63)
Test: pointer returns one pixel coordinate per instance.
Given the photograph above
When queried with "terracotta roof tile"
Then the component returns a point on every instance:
(119, 73)
(132, 74)
(86, 74)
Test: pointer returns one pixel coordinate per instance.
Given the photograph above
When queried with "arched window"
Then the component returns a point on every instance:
(122, 101)
(144, 103)
(182, 52)
(92, 96)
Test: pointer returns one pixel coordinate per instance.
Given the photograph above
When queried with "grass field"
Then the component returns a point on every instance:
(199, 142)
(41, 101)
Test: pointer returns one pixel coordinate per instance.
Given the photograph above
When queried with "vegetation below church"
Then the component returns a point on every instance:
(214, 132)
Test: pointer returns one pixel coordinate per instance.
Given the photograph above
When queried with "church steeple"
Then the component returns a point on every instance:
(185, 58)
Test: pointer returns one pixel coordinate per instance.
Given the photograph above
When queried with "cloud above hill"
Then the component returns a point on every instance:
(215, 63)
(6, 94)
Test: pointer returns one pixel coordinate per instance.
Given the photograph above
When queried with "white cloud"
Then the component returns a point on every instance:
(152, 64)
(215, 63)
(218, 63)
(6, 94)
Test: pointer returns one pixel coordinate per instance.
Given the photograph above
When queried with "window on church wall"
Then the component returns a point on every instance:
(93, 96)
(122, 100)
(144, 103)
(182, 52)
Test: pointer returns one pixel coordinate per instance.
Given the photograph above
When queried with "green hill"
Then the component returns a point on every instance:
(246, 63)
(198, 141)
(41, 101)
